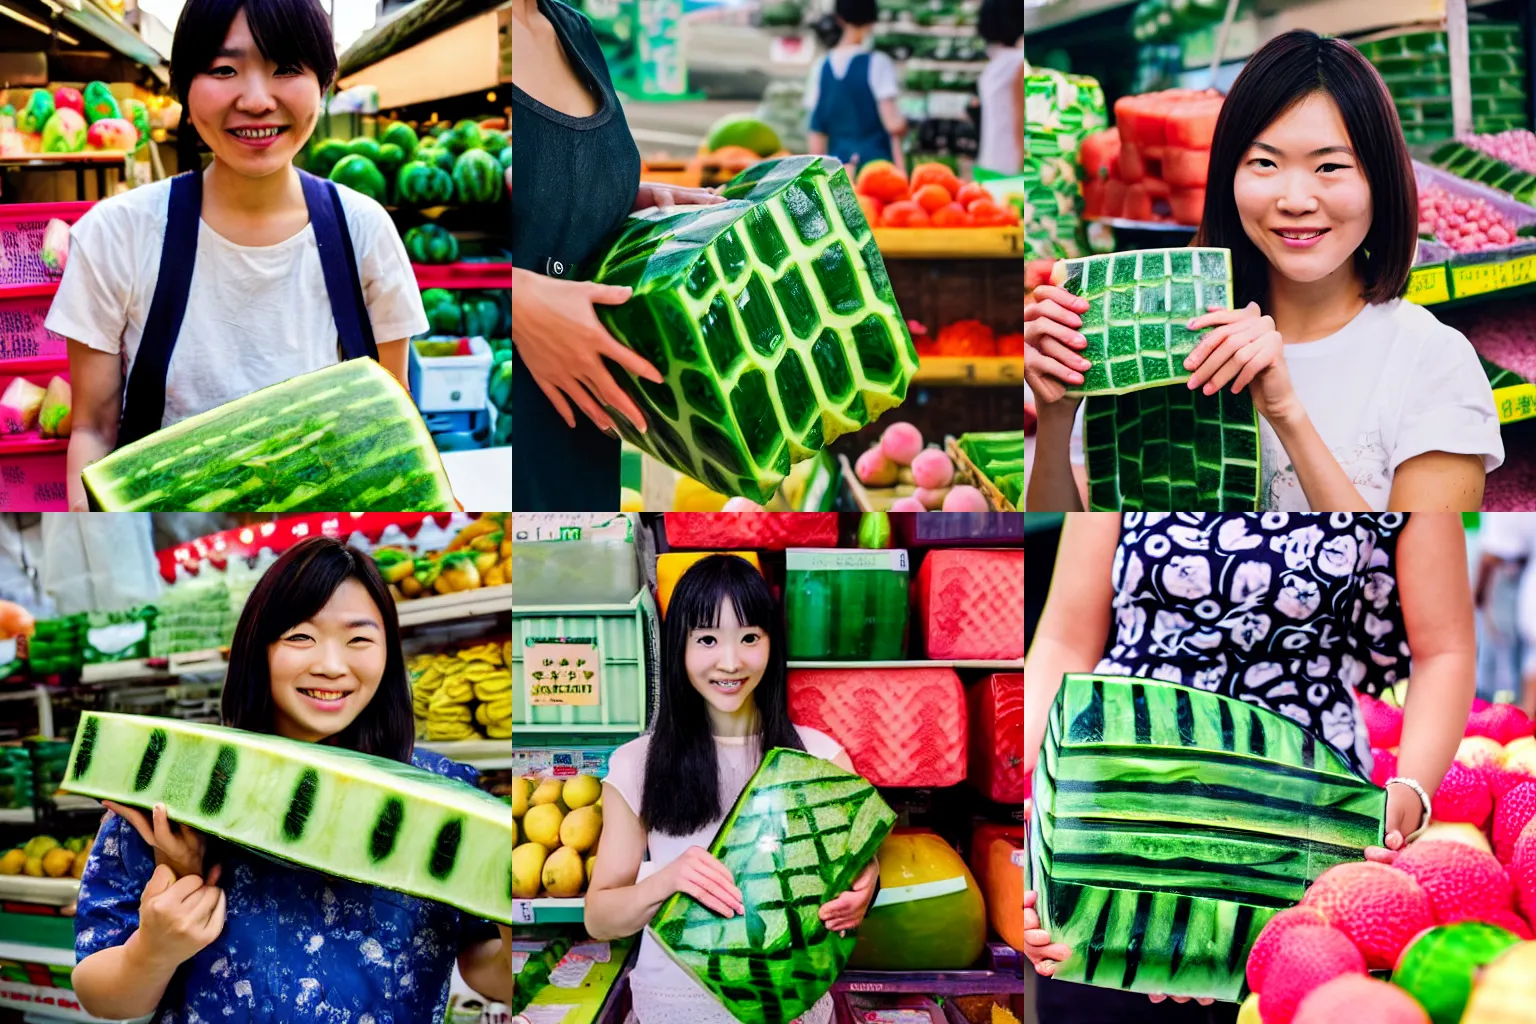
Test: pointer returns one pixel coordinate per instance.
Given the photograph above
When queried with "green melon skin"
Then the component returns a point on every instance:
(353, 815)
(345, 437)
(1438, 966)
(1138, 305)
(1171, 824)
(799, 834)
(770, 317)
(1172, 449)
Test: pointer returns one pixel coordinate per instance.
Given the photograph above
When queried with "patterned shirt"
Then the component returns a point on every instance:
(297, 945)
(1290, 611)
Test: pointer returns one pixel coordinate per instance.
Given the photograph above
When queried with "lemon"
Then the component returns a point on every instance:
(521, 788)
(542, 825)
(580, 829)
(563, 876)
(527, 864)
(581, 791)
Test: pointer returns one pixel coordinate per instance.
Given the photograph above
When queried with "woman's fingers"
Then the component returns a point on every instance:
(1213, 317)
(556, 399)
(1043, 330)
(1257, 362)
(609, 294)
(213, 876)
(1216, 357)
(1050, 309)
(1046, 377)
(1156, 997)
(1053, 349)
(610, 394)
(134, 817)
(214, 924)
(628, 358)
(1238, 351)
(711, 894)
(589, 398)
(1060, 296)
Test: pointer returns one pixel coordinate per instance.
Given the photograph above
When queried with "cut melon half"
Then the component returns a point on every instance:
(336, 811)
(347, 436)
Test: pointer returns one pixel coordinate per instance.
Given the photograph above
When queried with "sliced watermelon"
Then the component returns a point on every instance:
(1186, 168)
(1192, 123)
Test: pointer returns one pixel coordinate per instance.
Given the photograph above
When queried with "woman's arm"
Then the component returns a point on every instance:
(616, 905)
(394, 358)
(486, 966)
(96, 383)
(1438, 481)
(815, 143)
(122, 982)
(1052, 481)
(1075, 621)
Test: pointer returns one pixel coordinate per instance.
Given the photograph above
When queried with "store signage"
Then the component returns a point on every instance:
(812, 559)
(1514, 403)
(1427, 286)
(522, 913)
(1481, 278)
(562, 672)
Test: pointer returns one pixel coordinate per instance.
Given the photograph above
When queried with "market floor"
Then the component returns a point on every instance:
(1061, 1002)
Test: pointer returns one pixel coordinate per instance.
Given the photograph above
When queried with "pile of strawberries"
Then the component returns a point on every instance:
(932, 197)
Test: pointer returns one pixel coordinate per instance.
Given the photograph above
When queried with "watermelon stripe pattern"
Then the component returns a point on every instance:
(1171, 824)
(345, 437)
(798, 835)
(1172, 448)
(770, 318)
(361, 817)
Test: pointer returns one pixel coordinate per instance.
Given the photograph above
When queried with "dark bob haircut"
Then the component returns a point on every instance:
(293, 32)
(857, 12)
(297, 586)
(1001, 21)
(1285, 71)
(682, 767)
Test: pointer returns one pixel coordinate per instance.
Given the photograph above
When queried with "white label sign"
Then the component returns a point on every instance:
(522, 912)
(810, 559)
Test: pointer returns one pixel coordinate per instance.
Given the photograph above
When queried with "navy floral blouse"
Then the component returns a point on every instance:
(1290, 611)
(297, 946)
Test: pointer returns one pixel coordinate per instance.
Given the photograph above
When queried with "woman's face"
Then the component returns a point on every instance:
(1301, 193)
(726, 664)
(241, 93)
(326, 669)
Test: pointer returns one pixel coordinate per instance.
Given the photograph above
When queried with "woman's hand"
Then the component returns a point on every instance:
(654, 193)
(178, 847)
(1243, 349)
(180, 916)
(1038, 948)
(699, 874)
(847, 911)
(1052, 347)
(557, 333)
(1405, 812)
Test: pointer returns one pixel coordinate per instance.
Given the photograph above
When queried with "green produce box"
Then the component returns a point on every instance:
(118, 636)
(846, 605)
(12, 658)
(583, 668)
(16, 787)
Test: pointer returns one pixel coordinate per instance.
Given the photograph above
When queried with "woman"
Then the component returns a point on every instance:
(1001, 88)
(724, 703)
(248, 273)
(578, 176)
(1368, 402)
(1267, 609)
(155, 933)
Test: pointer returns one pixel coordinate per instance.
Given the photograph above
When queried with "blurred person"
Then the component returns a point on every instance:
(1001, 87)
(1507, 541)
(852, 94)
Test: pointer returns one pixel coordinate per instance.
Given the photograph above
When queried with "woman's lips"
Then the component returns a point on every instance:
(1294, 238)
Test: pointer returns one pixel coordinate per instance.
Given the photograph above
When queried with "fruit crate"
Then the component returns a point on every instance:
(24, 341)
(33, 468)
(22, 273)
(627, 643)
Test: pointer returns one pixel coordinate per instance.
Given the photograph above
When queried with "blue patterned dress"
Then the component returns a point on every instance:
(1290, 611)
(297, 946)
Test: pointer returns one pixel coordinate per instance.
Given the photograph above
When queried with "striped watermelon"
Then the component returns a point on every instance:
(347, 436)
(1171, 824)
(477, 178)
(799, 834)
(353, 815)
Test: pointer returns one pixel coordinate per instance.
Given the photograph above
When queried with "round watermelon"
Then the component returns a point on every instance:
(928, 933)
(361, 175)
(325, 156)
(391, 158)
(430, 243)
(465, 136)
(504, 158)
(443, 312)
(364, 147)
(401, 135)
(494, 142)
(441, 158)
(422, 185)
(477, 178)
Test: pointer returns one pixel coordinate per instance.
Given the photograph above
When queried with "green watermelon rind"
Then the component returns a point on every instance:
(363, 382)
(1425, 971)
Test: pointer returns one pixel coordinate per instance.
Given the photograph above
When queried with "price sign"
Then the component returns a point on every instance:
(562, 672)
(1481, 278)
(1427, 286)
(522, 911)
(1517, 402)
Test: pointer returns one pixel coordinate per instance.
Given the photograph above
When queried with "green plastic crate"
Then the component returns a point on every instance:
(627, 648)
(846, 605)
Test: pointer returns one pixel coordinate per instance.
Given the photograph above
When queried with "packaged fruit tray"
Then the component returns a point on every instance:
(1509, 211)
(1473, 165)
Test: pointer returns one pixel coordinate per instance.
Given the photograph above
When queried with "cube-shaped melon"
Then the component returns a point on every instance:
(771, 318)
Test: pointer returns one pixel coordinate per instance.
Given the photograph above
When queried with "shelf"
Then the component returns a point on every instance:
(487, 755)
(1003, 974)
(464, 275)
(48, 892)
(449, 607)
(29, 291)
(997, 666)
(951, 243)
(40, 1003)
(99, 158)
(967, 371)
(1142, 225)
(548, 911)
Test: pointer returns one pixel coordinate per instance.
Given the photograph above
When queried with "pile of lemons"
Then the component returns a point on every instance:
(559, 823)
(46, 857)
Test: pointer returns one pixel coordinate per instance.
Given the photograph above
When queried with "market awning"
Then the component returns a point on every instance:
(410, 26)
(85, 15)
(463, 58)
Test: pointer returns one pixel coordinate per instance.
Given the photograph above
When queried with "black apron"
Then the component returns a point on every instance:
(576, 179)
(144, 403)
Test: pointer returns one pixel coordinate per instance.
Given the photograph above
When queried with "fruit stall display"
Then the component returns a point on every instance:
(1416, 67)
(957, 579)
(1060, 111)
(65, 119)
(1152, 165)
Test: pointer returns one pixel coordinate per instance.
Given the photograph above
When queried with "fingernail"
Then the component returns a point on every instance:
(1079, 339)
(1191, 324)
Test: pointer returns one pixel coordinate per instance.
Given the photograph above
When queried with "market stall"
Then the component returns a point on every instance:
(162, 664)
(927, 708)
(1123, 101)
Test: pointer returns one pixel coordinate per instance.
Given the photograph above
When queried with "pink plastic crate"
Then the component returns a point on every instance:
(21, 241)
(32, 468)
(23, 336)
(754, 531)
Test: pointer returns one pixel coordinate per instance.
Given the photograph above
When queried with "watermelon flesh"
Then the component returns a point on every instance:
(799, 834)
(931, 915)
(354, 815)
(19, 406)
(1171, 824)
(56, 417)
(347, 436)
(770, 318)
(970, 604)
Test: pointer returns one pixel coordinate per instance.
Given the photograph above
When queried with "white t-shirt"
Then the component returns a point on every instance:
(1392, 383)
(882, 73)
(256, 315)
(1512, 536)
(1001, 150)
(663, 992)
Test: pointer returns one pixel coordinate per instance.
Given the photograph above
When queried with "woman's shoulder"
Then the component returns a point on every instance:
(1405, 323)
(630, 755)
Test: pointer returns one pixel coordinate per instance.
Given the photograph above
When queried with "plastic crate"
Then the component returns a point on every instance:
(959, 529)
(21, 241)
(23, 336)
(451, 383)
(627, 650)
(33, 469)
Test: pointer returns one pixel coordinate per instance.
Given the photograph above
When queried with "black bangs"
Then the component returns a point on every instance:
(292, 590)
(696, 603)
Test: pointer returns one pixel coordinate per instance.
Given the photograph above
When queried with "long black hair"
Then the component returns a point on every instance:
(1285, 71)
(292, 590)
(285, 31)
(682, 770)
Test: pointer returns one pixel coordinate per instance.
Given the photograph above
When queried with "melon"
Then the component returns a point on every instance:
(1001, 878)
(1356, 997)
(64, 132)
(1437, 968)
(19, 406)
(1505, 990)
(55, 418)
(347, 436)
(1308, 958)
(771, 320)
(333, 810)
(112, 133)
(931, 915)
(1461, 883)
(745, 131)
(798, 835)
(1264, 947)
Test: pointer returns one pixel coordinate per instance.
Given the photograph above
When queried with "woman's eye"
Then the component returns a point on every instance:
(1333, 167)
(1261, 160)
(705, 641)
(751, 638)
(364, 639)
(298, 636)
(290, 69)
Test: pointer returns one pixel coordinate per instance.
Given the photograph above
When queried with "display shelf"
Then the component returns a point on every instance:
(464, 275)
(487, 755)
(966, 371)
(96, 158)
(47, 892)
(997, 666)
(548, 911)
(1515, 403)
(1003, 974)
(951, 243)
(448, 607)
(29, 291)
(1142, 225)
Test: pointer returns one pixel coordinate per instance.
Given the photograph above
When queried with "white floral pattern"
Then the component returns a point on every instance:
(1293, 612)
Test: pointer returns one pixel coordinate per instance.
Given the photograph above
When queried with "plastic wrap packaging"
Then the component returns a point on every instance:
(574, 558)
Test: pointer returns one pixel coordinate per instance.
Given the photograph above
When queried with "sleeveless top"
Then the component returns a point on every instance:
(1293, 612)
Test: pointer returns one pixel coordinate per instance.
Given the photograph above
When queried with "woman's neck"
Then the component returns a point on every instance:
(1308, 310)
(853, 35)
(251, 197)
(741, 722)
